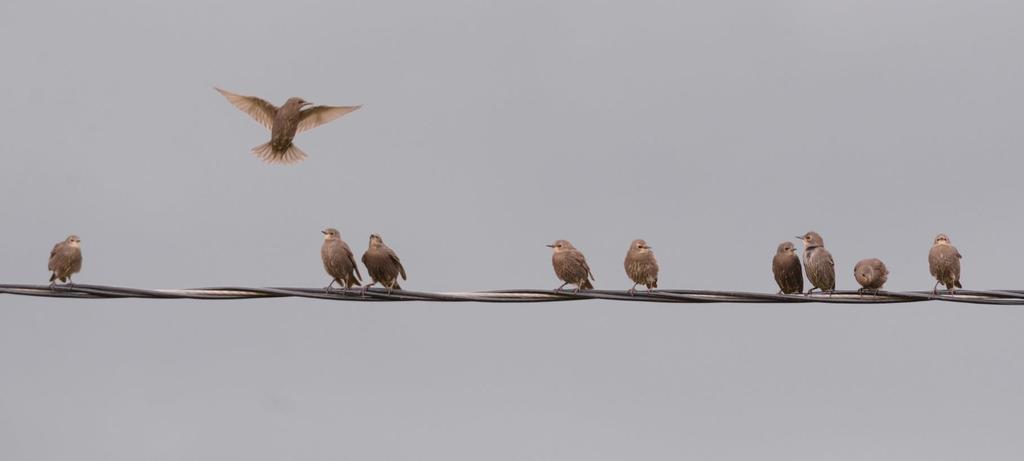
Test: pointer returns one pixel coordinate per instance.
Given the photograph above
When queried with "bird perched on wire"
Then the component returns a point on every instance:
(944, 264)
(570, 266)
(65, 260)
(871, 274)
(338, 261)
(818, 264)
(641, 266)
(786, 267)
(284, 123)
(382, 265)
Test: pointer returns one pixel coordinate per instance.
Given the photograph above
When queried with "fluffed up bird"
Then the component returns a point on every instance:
(338, 261)
(65, 260)
(786, 267)
(818, 264)
(871, 274)
(944, 264)
(382, 265)
(570, 266)
(641, 266)
(284, 123)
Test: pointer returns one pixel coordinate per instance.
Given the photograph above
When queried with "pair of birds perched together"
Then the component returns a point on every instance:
(572, 268)
(382, 263)
(871, 274)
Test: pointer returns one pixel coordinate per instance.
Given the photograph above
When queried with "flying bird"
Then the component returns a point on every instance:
(641, 266)
(284, 123)
(786, 267)
(65, 260)
(944, 264)
(382, 265)
(570, 266)
(818, 263)
(338, 261)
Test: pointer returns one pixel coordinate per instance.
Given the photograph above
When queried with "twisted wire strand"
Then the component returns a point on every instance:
(79, 291)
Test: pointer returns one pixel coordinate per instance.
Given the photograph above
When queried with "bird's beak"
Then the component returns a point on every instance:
(550, 246)
(323, 232)
(648, 247)
(305, 104)
(800, 237)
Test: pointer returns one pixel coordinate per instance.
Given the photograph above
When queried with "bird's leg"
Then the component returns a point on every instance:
(556, 290)
(812, 289)
(576, 290)
(327, 289)
(632, 291)
(53, 285)
(368, 285)
(392, 286)
(935, 289)
(71, 283)
(649, 289)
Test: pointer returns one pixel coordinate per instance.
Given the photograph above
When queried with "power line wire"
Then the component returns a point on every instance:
(79, 291)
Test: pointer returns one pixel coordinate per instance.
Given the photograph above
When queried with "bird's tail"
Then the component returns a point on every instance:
(396, 286)
(267, 153)
(957, 283)
(586, 285)
(655, 284)
(53, 276)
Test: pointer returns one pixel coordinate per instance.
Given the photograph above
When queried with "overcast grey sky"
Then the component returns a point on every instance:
(714, 130)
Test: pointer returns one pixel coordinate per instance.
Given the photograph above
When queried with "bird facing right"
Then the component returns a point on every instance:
(641, 266)
(284, 123)
(570, 266)
(944, 264)
(786, 267)
(382, 265)
(818, 264)
(871, 274)
(338, 261)
(65, 260)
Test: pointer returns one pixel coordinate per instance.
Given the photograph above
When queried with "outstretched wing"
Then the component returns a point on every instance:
(318, 115)
(257, 108)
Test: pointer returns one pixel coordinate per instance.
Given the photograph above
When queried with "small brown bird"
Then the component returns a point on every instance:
(818, 264)
(338, 261)
(65, 260)
(284, 123)
(641, 266)
(871, 274)
(571, 266)
(787, 270)
(944, 264)
(382, 265)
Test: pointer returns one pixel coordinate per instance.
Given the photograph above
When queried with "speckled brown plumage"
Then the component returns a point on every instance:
(284, 123)
(818, 264)
(871, 274)
(570, 266)
(641, 265)
(65, 259)
(382, 264)
(338, 261)
(944, 263)
(786, 267)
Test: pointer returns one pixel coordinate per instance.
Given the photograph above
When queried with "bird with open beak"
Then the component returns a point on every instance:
(284, 123)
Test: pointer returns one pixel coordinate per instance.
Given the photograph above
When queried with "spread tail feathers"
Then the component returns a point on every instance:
(267, 153)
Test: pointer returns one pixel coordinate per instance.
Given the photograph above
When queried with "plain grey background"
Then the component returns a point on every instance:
(715, 130)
